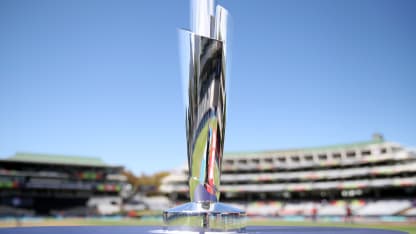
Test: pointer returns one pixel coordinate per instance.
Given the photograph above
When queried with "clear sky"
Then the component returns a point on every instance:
(101, 78)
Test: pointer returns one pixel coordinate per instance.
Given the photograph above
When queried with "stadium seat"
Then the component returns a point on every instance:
(384, 207)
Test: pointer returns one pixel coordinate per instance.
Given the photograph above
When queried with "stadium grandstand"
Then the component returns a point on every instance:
(42, 184)
(375, 178)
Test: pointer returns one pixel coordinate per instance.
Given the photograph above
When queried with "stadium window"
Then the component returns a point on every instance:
(366, 152)
(336, 156)
(322, 156)
(395, 149)
(383, 150)
(268, 160)
(309, 158)
(295, 158)
(229, 162)
(242, 161)
(255, 161)
(281, 159)
(351, 154)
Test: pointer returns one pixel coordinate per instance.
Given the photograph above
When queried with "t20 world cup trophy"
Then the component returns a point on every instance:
(203, 52)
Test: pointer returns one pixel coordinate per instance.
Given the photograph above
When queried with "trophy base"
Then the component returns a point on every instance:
(205, 216)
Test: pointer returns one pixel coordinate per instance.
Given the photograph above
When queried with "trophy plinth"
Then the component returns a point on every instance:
(209, 216)
(203, 57)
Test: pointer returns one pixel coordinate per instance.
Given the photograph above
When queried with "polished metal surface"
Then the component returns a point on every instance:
(207, 216)
(205, 118)
(203, 55)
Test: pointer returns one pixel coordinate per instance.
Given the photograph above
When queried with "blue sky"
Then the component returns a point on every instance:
(101, 78)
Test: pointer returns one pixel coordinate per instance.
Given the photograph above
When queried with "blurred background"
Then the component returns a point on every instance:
(320, 124)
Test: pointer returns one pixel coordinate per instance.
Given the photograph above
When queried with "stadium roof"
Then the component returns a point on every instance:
(57, 159)
(304, 150)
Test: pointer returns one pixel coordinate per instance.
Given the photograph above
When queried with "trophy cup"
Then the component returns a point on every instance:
(203, 55)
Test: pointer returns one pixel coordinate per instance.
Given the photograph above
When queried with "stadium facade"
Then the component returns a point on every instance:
(375, 177)
(47, 184)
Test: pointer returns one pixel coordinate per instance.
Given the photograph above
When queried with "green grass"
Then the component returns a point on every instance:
(404, 227)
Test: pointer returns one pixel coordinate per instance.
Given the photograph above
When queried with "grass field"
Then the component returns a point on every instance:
(405, 227)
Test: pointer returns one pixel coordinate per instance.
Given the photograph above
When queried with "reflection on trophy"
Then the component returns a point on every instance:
(203, 55)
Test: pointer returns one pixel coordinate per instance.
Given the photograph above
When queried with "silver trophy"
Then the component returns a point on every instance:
(203, 54)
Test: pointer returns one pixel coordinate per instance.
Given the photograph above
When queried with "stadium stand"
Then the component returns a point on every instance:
(384, 207)
(43, 183)
(263, 208)
(366, 177)
(410, 212)
(338, 208)
(11, 211)
(140, 202)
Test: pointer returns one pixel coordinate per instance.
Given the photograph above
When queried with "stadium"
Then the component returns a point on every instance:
(372, 180)
(42, 184)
